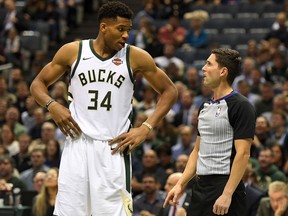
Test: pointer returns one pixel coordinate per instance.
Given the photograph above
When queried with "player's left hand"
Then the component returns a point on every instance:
(222, 204)
(130, 140)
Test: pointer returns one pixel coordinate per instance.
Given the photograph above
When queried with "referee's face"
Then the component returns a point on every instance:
(211, 72)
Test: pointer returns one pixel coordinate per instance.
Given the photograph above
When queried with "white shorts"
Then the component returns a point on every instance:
(92, 180)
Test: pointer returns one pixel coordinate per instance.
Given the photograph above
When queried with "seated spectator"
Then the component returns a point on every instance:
(169, 57)
(22, 159)
(266, 171)
(165, 158)
(13, 120)
(253, 193)
(27, 117)
(45, 201)
(181, 162)
(172, 33)
(37, 160)
(150, 164)
(5, 94)
(52, 153)
(7, 139)
(196, 37)
(184, 197)
(151, 199)
(38, 117)
(38, 181)
(3, 110)
(276, 203)
(185, 144)
(7, 173)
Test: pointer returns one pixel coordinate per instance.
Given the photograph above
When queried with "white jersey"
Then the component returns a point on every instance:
(101, 90)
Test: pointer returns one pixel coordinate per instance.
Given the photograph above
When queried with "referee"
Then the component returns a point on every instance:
(226, 126)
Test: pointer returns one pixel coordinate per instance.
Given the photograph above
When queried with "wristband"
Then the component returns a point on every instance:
(147, 125)
(49, 102)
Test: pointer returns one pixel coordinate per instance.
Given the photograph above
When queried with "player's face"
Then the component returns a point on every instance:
(116, 33)
(211, 72)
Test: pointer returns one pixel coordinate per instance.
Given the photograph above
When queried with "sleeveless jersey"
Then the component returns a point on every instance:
(101, 90)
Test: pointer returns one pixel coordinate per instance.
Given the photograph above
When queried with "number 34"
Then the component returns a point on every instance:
(105, 103)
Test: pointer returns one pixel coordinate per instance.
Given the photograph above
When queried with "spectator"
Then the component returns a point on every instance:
(22, 159)
(47, 133)
(278, 128)
(253, 194)
(12, 47)
(22, 93)
(165, 158)
(38, 118)
(53, 153)
(7, 173)
(37, 160)
(244, 88)
(185, 144)
(45, 201)
(193, 80)
(181, 162)
(38, 181)
(267, 172)
(276, 204)
(279, 157)
(150, 164)
(15, 77)
(184, 116)
(196, 37)
(172, 33)
(166, 131)
(265, 104)
(12, 119)
(169, 57)
(4, 93)
(8, 140)
(184, 200)
(151, 200)
(27, 117)
(3, 110)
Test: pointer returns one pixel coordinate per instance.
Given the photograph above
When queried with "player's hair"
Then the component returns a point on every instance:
(230, 59)
(114, 9)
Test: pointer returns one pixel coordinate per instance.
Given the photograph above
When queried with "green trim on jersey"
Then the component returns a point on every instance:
(94, 52)
(78, 59)
(127, 170)
(128, 64)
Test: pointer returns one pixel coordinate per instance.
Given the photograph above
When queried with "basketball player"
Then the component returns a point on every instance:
(226, 126)
(95, 167)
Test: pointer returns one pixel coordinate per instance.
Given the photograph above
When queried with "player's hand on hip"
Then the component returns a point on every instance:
(222, 204)
(62, 117)
(130, 140)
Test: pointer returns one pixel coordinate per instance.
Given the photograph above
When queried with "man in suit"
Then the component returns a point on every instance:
(184, 200)
(253, 193)
(277, 202)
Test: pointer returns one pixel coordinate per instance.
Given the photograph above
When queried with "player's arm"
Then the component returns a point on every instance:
(242, 147)
(188, 174)
(61, 62)
(143, 63)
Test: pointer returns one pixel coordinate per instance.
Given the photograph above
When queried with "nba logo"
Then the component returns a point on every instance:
(218, 112)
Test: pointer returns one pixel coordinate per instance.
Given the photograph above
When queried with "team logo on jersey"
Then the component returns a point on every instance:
(117, 61)
(218, 112)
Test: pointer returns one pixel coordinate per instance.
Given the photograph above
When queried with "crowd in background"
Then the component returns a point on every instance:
(31, 143)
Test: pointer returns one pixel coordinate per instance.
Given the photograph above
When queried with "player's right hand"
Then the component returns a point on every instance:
(62, 117)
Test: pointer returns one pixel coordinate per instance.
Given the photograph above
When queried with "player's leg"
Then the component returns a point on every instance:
(109, 177)
(72, 197)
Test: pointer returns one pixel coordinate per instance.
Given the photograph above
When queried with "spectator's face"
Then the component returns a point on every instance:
(276, 198)
(51, 178)
(37, 159)
(24, 142)
(149, 185)
(181, 163)
(38, 181)
(171, 182)
(6, 168)
(150, 159)
(261, 126)
(265, 158)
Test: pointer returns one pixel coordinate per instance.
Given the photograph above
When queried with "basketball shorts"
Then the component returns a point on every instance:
(92, 180)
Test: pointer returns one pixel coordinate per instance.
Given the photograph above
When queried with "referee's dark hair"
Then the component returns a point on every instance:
(230, 59)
